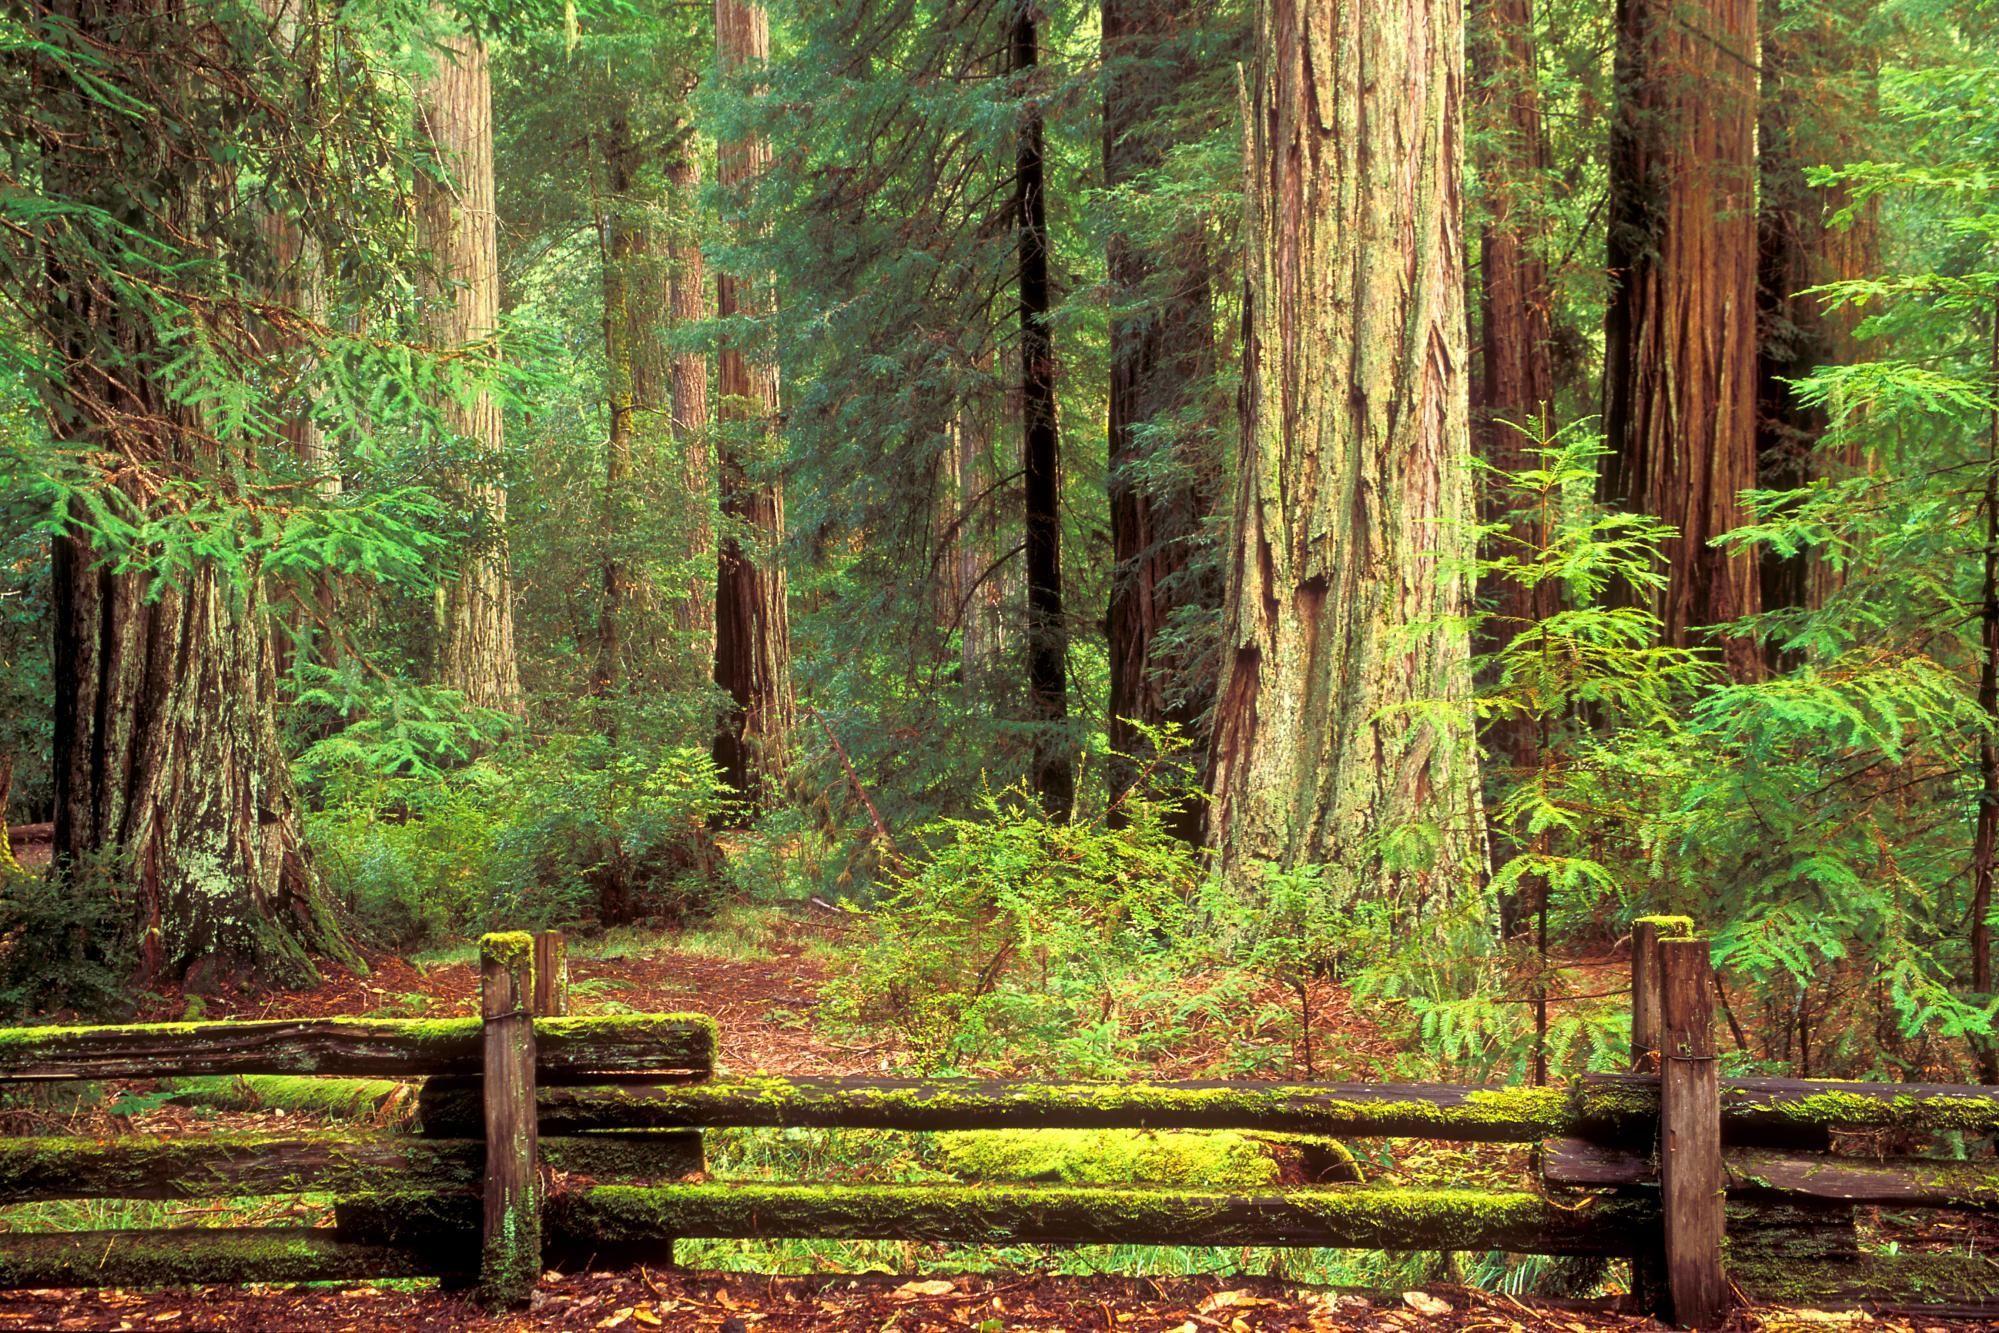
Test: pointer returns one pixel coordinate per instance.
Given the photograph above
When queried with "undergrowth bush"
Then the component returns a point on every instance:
(563, 830)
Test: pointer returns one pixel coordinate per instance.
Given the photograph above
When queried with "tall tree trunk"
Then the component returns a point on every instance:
(1819, 75)
(1047, 632)
(1680, 330)
(688, 393)
(752, 621)
(1985, 836)
(1514, 391)
(1162, 481)
(637, 381)
(171, 788)
(1354, 496)
(455, 218)
(981, 575)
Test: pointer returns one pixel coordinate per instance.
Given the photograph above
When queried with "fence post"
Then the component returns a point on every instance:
(510, 1256)
(1648, 1266)
(1691, 1180)
(551, 974)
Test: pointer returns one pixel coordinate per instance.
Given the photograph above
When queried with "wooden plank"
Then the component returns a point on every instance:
(510, 1252)
(570, 1048)
(551, 974)
(233, 1165)
(1950, 1285)
(1330, 1216)
(1623, 1107)
(186, 1257)
(1470, 1114)
(1915, 1182)
(1691, 1182)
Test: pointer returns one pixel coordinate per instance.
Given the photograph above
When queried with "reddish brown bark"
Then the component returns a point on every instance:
(752, 621)
(1680, 331)
(456, 221)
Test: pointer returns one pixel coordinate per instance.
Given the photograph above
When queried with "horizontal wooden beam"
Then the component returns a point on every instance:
(1624, 1105)
(569, 1049)
(1515, 1115)
(1358, 1217)
(232, 1165)
(1950, 1285)
(1908, 1181)
(185, 1257)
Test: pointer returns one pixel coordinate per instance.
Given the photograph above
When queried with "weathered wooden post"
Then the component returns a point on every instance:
(1648, 1266)
(510, 1256)
(1692, 1184)
(551, 974)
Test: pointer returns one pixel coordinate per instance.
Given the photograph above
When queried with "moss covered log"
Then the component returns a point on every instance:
(1515, 1115)
(230, 1165)
(1361, 1217)
(366, 1099)
(1968, 1284)
(568, 1048)
(1625, 1106)
(1907, 1181)
(201, 1256)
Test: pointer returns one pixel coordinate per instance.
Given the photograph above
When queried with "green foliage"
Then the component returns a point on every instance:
(1021, 938)
(570, 831)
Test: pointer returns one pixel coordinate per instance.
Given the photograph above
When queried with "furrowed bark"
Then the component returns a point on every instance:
(1354, 498)
(1680, 328)
(752, 619)
(456, 221)
(688, 394)
(170, 780)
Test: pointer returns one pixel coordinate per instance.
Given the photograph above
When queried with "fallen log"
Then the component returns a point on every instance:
(1358, 1217)
(235, 1165)
(1907, 1181)
(568, 1048)
(1503, 1114)
(203, 1255)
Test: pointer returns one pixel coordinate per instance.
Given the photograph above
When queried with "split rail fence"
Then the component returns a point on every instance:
(1710, 1187)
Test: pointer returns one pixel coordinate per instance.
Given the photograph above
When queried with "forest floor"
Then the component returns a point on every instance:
(762, 989)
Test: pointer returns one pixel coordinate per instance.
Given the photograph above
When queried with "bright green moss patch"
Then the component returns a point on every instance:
(374, 1100)
(1669, 927)
(1108, 1157)
(509, 948)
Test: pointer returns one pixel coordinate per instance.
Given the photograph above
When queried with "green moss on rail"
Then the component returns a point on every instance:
(509, 948)
(1108, 1157)
(376, 1100)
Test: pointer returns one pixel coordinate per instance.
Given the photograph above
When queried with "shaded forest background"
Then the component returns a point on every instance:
(1108, 494)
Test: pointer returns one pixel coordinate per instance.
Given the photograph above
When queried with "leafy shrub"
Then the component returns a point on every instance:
(1017, 935)
(571, 831)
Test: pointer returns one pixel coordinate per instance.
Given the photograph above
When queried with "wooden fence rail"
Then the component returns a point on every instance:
(1634, 1165)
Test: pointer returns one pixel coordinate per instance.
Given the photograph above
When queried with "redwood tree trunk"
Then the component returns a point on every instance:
(688, 396)
(1047, 632)
(752, 621)
(455, 218)
(1162, 481)
(171, 788)
(1354, 496)
(1680, 331)
(1819, 74)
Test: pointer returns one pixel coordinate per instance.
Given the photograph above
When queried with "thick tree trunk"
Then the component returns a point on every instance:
(455, 219)
(688, 394)
(1163, 480)
(171, 788)
(1354, 498)
(1680, 331)
(1818, 99)
(1054, 772)
(752, 620)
